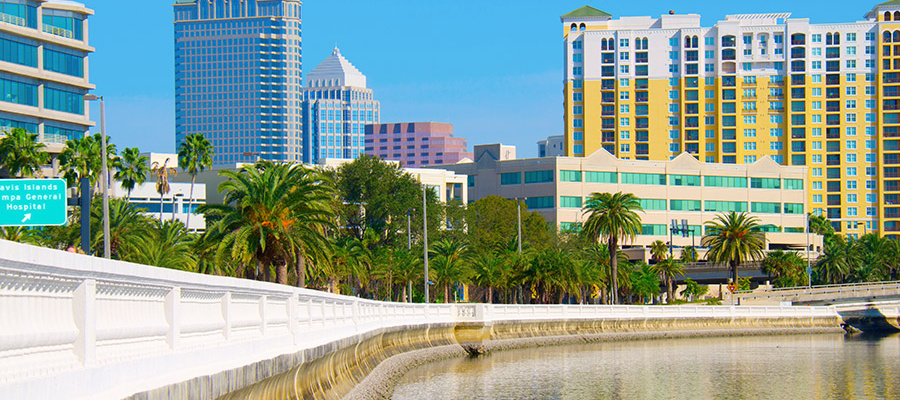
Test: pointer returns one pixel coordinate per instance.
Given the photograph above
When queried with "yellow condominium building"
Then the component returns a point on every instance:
(680, 189)
(825, 96)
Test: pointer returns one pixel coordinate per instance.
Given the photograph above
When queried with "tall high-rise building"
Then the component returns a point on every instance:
(416, 144)
(337, 106)
(238, 78)
(44, 69)
(826, 96)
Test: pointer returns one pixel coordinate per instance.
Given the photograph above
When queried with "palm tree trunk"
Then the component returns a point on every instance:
(670, 293)
(489, 298)
(301, 271)
(190, 200)
(613, 269)
(734, 273)
(281, 273)
(161, 207)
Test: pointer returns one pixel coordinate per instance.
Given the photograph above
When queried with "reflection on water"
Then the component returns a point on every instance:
(794, 367)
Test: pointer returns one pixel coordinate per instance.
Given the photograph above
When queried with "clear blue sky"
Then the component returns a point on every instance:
(492, 68)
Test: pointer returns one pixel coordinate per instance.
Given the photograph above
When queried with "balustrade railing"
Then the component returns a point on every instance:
(65, 312)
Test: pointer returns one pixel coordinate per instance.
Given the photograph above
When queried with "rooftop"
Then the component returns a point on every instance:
(338, 70)
(588, 11)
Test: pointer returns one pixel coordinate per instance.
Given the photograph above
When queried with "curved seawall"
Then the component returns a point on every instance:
(368, 369)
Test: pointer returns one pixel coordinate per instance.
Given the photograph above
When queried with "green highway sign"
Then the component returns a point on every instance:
(32, 202)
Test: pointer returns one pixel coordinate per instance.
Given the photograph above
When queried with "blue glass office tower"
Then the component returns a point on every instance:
(238, 78)
(337, 106)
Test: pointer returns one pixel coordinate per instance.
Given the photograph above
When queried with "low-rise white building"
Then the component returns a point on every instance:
(679, 189)
(176, 204)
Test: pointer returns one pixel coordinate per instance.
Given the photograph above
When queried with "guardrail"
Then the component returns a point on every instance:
(78, 326)
(815, 293)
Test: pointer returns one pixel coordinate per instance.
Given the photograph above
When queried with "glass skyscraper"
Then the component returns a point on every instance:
(44, 69)
(337, 107)
(238, 78)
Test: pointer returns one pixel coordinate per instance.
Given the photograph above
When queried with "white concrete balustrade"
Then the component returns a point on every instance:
(74, 326)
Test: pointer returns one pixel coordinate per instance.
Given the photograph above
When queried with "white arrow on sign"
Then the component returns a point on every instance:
(27, 217)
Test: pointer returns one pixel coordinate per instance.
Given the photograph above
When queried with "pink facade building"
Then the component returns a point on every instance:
(415, 144)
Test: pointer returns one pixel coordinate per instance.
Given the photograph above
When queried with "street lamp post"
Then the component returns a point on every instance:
(425, 235)
(409, 248)
(808, 262)
(519, 212)
(104, 181)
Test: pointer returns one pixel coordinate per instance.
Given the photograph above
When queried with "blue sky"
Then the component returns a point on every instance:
(492, 68)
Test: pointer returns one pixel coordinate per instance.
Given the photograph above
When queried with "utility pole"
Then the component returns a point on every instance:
(425, 236)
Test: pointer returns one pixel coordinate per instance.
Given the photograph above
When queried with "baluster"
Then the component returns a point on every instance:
(85, 305)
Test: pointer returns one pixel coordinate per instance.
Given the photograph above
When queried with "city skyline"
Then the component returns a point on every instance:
(491, 90)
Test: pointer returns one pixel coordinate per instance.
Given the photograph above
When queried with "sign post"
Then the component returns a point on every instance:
(32, 202)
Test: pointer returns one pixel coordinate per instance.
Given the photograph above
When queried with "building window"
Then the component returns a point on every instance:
(643, 179)
(538, 176)
(684, 180)
(725, 206)
(569, 176)
(725, 181)
(570, 202)
(653, 204)
(539, 202)
(600, 177)
(685, 205)
(511, 178)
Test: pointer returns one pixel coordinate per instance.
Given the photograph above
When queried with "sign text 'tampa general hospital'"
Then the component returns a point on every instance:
(32, 202)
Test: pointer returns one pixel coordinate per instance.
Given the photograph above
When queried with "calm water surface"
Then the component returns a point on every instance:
(779, 367)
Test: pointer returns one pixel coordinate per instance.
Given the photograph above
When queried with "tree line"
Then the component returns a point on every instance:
(358, 230)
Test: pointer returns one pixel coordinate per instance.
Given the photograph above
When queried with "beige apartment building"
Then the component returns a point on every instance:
(44, 51)
(679, 189)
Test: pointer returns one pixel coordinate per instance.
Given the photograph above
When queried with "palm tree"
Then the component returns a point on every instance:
(21, 154)
(614, 217)
(127, 226)
(488, 271)
(194, 155)
(670, 268)
(786, 267)
(658, 250)
(273, 214)
(644, 282)
(83, 158)
(449, 263)
(689, 255)
(873, 258)
(132, 169)
(733, 238)
(20, 234)
(836, 263)
(167, 245)
(162, 172)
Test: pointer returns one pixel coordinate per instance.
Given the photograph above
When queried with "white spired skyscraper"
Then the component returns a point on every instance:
(238, 78)
(336, 108)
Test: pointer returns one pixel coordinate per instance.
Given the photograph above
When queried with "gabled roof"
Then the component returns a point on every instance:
(588, 11)
(890, 3)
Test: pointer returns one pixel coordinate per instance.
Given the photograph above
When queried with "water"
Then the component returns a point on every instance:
(778, 367)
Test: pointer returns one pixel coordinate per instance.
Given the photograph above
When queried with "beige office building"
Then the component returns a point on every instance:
(44, 69)
(682, 188)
